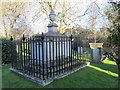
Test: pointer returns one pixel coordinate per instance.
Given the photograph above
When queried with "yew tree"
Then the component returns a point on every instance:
(113, 14)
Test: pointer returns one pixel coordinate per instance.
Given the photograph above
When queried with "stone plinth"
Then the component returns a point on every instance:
(95, 45)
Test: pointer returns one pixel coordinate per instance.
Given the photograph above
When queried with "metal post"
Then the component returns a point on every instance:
(33, 63)
(39, 47)
(11, 39)
(67, 51)
(29, 55)
(74, 50)
(43, 56)
(24, 53)
(50, 55)
(47, 56)
(53, 57)
(21, 54)
(64, 56)
(56, 56)
(77, 50)
(36, 65)
(71, 51)
(59, 52)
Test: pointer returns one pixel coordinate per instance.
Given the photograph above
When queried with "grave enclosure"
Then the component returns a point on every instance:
(48, 56)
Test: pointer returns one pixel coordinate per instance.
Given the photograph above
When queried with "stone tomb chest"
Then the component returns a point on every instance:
(50, 46)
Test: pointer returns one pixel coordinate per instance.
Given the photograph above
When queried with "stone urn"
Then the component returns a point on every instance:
(96, 51)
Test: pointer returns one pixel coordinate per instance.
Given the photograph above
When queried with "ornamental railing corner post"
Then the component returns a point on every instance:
(43, 56)
(71, 49)
(23, 38)
(11, 39)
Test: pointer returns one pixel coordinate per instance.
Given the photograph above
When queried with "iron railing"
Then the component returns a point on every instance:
(44, 57)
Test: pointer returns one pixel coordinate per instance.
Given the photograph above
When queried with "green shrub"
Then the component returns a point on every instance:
(8, 50)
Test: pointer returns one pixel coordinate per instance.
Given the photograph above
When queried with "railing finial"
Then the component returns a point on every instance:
(23, 37)
(11, 38)
(42, 36)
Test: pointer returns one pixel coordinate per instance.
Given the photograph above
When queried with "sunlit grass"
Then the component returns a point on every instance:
(105, 71)
(109, 62)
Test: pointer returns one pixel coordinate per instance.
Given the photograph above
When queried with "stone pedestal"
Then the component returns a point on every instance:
(51, 49)
(96, 51)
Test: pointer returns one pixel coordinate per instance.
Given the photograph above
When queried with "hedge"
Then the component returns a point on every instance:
(8, 50)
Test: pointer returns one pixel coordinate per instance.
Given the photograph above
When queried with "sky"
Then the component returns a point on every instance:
(40, 25)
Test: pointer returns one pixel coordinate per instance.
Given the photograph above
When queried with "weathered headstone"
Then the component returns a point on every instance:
(96, 51)
(96, 55)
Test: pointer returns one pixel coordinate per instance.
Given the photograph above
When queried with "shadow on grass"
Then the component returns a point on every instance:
(107, 67)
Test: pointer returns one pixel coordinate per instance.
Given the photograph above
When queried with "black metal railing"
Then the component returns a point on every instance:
(44, 57)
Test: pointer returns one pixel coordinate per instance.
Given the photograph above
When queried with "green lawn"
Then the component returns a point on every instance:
(95, 76)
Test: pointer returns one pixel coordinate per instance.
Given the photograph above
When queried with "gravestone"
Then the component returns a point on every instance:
(96, 51)
(96, 55)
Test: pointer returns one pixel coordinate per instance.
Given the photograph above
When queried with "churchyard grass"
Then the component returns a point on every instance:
(102, 75)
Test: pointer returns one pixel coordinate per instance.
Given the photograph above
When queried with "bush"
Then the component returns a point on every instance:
(8, 48)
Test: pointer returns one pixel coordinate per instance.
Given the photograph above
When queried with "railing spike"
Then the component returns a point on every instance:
(11, 38)
(23, 37)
